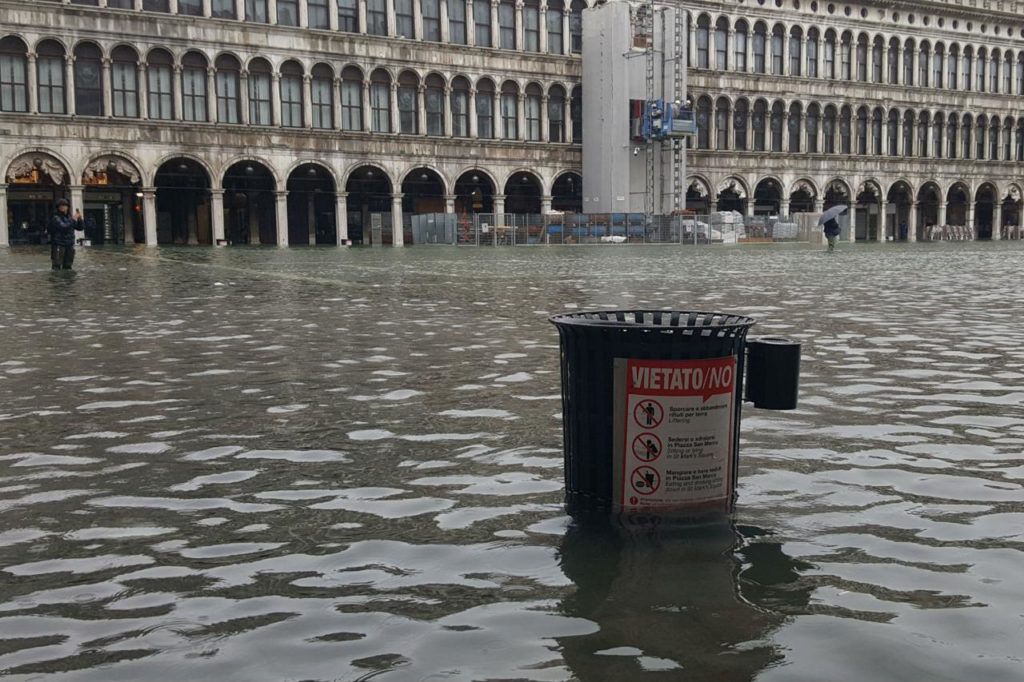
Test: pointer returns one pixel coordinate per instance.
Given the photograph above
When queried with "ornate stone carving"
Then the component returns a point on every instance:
(96, 172)
(32, 167)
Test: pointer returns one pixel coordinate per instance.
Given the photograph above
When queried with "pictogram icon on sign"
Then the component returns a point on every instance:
(648, 413)
(645, 480)
(646, 447)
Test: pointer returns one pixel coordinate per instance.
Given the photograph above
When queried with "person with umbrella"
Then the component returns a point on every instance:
(831, 225)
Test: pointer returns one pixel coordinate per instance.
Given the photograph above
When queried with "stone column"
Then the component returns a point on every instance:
(240, 10)
(207, 9)
(542, 28)
(495, 30)
(566, 38)
(499, 206)
(470, 23)
(173, 6)
(143, 87)
(397, 231)
(545, 204)
(785, 132)
(750, 206)
(519, 25)
(272, 11)
(912, 223)
(361, 9)
(332, 16)
(392, 23)
(105, 83)
(5, 237)
(473, 132)
(211, 94)
(304, 13)
(307, 101)
(449, 203)
(970, 218)
(730, 42)
(942, 214)
(997, 220)
(521, 116)
(396, 126)
(447, 112)
(281, 204)
(149, 214)
(442, 9)
(243, 97)
(179, 99)
(785, 52)
(417, 20)
(853, 223)
(691, 43)
(567, 119)
(311, 218)
(341, 218)
(33, 91)
(545, 131)
(275, 99)
(367, 111)
(336, 103)
(69, 82)
(783, 208)
(498, 120)
(421, 109)
(882, 208)
(217, 215)
(914, 57)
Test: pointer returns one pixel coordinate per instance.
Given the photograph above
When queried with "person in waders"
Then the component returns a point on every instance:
(832, 230)
(62, 235)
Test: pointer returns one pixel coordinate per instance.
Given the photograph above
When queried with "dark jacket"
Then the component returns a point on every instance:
(62, 229)
(832, 228)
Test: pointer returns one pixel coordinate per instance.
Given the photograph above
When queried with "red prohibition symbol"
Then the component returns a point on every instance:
(648, 413)
(646, 447)
(645, 480)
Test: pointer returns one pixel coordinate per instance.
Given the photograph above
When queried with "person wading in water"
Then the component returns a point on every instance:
(62, 235)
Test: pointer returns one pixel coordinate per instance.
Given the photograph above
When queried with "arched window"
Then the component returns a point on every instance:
(776, 126)
(160, 80)
(828, 130)
(952, 131)
(877, 50)
(862, 58)
(531, 26)
(740, 46)
(193, 87)
(556, 41)
(291, 95)
(50, 76)
(892, 132)
(908, 133)
(830, 55)
(908, 62)
(938, 126)
(556, 114)
(938, 65)
(894, 61)
(778, 39)
(13, 75)
(923, 64)
(993, 76)
(968, 67)
(1007, 133)
(862, 130)
(380, 101)
(739, 124)
(980, 129)
(812, 53)
(321, 96)
(965, 136)
(485, 109)
(460, 107)
(351, 98)
(430, 11)
(510, 111)
(89, 80)
(1020, 73)
(408, 111)
(704, 123)
(760, 36)
(532, 112)
(228, 100)
(702, 37)
(994, 130)
(722, 44)
(981, 83)
(261, 111)
(953, 68)
(846, 56)
(757, 124)
(796, 36)
(795, 121)
(924, 124)
(1020, 139)
(433, 100)
(845, 115)
(576, 26)
(1008, 74)
(813, 122)
(576, 114)
(876, 131)
(722, 123)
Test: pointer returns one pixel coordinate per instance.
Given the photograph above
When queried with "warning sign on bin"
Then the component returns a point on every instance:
(673, 424)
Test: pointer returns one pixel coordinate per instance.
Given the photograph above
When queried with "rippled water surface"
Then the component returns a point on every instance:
(319, 464)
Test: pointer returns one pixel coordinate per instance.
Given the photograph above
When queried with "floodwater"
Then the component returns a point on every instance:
(321, 464)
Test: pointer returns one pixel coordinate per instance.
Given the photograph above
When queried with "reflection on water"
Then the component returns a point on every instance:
(328, 464)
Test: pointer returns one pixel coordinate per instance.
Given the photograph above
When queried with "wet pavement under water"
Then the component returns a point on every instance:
(322, 464)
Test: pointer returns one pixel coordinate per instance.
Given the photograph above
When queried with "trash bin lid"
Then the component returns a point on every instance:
(684, 321)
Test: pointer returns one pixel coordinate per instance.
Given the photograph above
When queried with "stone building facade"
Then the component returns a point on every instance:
(907, 111)
(285, 121)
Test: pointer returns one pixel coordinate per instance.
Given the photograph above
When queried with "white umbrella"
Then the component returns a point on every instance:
(831, 213)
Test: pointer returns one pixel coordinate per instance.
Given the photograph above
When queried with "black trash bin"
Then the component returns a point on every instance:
(651, 410)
